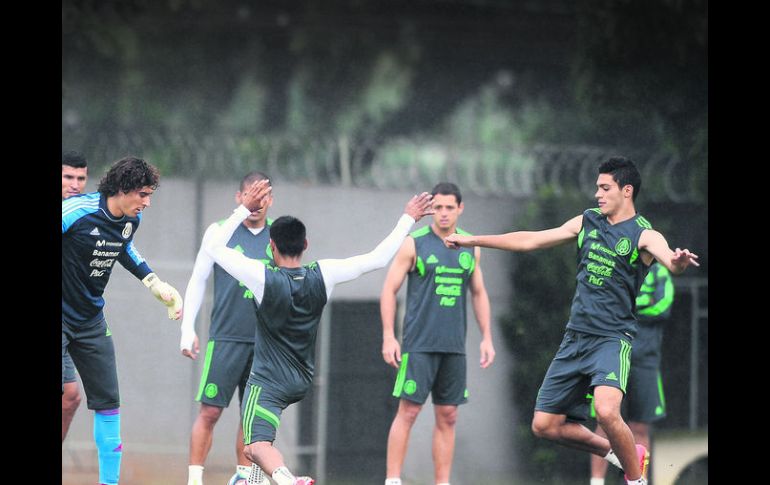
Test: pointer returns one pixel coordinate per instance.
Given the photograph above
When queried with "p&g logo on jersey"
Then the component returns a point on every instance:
(127, 230)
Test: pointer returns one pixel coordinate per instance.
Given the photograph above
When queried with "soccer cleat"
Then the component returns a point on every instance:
(303, 481)
(644, 461)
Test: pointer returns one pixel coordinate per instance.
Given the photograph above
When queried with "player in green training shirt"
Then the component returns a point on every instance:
(615, 249)
(230, 347)
(645, 403)
(289, 298)
(431, 359)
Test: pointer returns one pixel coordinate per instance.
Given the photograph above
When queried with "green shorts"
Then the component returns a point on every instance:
(226, 367)
(583, 362)
(93, 354)
(441, 375)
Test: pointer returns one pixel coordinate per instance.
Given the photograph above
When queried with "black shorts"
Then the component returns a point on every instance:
(441, 375)
(67, 370)
(582, 362)
(93, 353)
(261, 411)
(225, 368)
(644, 402)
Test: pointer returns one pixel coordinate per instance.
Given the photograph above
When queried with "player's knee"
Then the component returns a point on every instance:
(70, 401)
(254, 451)
(409, 413)
(210, 414)
(250, 453)
(606, 414)
(542, 428)
(446, 417)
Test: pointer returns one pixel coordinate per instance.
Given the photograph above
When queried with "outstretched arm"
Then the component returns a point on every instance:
(655, 244)
(337, 271)
(520, 240)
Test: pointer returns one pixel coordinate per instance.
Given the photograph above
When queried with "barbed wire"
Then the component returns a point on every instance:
(399, 163)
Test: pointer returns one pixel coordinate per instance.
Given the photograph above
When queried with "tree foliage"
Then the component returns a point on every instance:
(543, 284)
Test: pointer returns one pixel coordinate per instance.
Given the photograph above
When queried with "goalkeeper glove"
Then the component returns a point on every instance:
(166, 294)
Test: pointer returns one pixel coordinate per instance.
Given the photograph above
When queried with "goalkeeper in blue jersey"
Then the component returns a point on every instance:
(98, 229)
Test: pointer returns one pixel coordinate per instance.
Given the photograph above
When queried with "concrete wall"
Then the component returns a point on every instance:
(158, 385)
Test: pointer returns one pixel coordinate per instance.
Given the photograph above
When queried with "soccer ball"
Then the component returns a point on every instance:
(236, 480)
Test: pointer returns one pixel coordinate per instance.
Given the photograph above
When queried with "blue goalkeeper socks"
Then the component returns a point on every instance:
(108, 445)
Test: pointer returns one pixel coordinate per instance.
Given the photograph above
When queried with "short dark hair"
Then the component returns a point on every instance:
(129, 174)
(288, 234)
(252, 177)
(73, 159)
(624, 172)
(447, 188)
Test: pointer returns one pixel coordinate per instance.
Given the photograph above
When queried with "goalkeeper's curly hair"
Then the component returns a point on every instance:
(129, 174)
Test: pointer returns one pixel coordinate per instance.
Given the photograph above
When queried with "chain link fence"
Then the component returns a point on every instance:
(395, 163)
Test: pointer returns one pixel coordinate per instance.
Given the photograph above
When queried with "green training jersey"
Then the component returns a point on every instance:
(435, 319)
(287, 324)
(609, 275)
(232, 315)
(653, 307)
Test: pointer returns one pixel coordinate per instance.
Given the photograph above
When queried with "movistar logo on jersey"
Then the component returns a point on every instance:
(593, 234)
(432, 259)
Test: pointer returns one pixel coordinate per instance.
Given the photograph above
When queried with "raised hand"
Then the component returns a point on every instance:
(256, 195)
(419, 205)
(682, 258)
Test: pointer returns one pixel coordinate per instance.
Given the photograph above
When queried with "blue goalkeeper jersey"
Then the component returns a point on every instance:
(92, 240)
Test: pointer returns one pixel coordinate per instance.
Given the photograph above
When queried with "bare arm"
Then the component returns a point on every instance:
(402, 264)
(482, 310)
(521, 240)
(656, 245)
